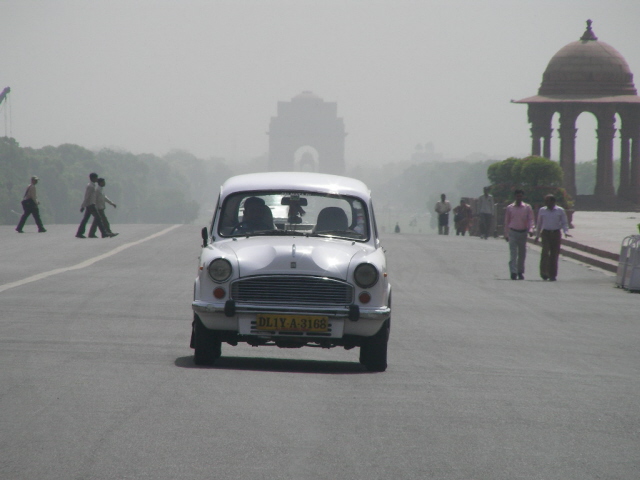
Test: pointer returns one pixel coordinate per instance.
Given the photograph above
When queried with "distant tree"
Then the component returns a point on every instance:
(473, 178)
(14, 178)
(415, 187)
(205, 176)
(538, 171)
(147, 188)
(537, 176)
(586, 173)
(504, 172)
(586, 177)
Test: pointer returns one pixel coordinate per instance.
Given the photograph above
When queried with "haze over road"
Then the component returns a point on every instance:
(151, 76)
(488, 378)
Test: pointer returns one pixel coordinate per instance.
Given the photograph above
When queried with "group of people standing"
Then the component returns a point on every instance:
(519, 223)
(463, 215)
(93, 205)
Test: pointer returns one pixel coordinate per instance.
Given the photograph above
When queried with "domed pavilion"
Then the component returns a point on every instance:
(590, 76)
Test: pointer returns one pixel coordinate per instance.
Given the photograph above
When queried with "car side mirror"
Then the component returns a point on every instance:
(205, 236)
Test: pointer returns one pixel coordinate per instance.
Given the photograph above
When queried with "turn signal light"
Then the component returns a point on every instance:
(219, 293)
(364, 297)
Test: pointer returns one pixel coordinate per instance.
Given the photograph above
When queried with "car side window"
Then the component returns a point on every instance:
(229, 215)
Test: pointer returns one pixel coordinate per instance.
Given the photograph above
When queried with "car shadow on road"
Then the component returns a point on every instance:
(264, 364)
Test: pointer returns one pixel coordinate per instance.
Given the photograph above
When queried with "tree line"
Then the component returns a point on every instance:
(146, 188)
(419, 185)
(181, 188)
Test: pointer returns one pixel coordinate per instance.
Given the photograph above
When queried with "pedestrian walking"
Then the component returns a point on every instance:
(89, 207)
(443, 207)
(101, 204)
(462, 216)
(485, 213)
(30, 207)
(552, 220)
(518, 224)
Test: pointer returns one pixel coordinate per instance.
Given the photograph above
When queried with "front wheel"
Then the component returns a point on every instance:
(207, 347)
(373, 352)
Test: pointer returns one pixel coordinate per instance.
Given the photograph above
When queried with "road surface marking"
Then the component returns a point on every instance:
(84, 264)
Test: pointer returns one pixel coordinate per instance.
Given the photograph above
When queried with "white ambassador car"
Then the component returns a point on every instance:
(292, 260)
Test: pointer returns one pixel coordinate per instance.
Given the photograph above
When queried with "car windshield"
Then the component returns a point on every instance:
(293, 213)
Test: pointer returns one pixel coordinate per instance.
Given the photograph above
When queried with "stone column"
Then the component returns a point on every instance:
(604, 180)
(634, 170)
(540, 119)
(625, 141)
(546, 152)
(539, 133)
(567, 133)
(535, 141)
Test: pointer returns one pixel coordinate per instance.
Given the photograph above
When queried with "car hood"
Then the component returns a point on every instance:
(294, 256)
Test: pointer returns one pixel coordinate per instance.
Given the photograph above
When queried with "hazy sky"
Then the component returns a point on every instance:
(206, 76)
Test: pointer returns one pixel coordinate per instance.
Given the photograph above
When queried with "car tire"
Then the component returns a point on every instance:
(207, 347)
(373, 352)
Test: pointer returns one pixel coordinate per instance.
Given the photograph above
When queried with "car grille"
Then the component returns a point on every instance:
(292, 290)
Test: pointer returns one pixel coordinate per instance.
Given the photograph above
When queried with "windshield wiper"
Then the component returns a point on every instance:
(335, 233)
(276, 232)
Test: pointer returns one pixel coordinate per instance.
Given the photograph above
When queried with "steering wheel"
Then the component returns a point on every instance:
(238, 227)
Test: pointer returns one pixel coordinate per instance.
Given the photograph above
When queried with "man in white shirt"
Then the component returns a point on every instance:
(443, 207)
(89, 207)
(101, 204)
(552, 219)
(485, 212)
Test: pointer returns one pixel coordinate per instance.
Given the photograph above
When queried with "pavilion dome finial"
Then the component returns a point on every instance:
(588, 33)
(587, 67)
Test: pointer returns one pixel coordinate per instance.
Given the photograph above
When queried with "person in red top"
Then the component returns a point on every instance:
(518, 223)
(462, 216)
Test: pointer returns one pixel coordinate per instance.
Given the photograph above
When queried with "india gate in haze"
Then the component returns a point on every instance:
(307, 135)
(591, 76)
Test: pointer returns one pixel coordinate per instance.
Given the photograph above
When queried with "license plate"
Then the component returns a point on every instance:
(292, 323)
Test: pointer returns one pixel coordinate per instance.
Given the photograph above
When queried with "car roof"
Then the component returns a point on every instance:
(296, 181)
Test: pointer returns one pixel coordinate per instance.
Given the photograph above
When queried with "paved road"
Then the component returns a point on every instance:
(488, 379)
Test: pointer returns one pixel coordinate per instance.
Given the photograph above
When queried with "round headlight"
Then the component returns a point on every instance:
(219, 270)
(366, 275)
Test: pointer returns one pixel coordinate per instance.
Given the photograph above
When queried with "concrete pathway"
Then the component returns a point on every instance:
(604, 230)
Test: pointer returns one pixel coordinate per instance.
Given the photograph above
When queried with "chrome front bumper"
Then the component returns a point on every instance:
(381, 313)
